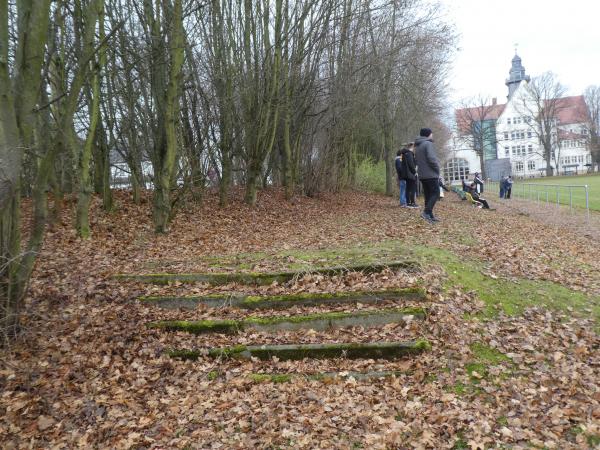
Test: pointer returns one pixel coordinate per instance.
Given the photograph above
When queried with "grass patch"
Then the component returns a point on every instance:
(510, 297)
(578, 195)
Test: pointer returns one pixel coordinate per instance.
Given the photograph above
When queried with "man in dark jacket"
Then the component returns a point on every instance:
(428, 168)
(401, 178)
(408, 172)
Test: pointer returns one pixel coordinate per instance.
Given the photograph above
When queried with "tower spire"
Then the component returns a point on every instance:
(516, 74)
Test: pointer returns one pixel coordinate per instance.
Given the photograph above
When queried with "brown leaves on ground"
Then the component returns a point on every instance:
(87, 372)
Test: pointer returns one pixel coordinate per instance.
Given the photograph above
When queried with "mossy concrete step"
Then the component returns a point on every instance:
(371, 350)
(286, 301)
(319, 322)
(262, 278)
(325, 376)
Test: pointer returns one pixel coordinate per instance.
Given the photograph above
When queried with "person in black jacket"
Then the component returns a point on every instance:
(401, 178)
(477, 197)
(409, 172)
(429, 172)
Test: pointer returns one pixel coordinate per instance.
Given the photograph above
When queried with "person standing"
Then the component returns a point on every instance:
(478, 182)
(401, 178)
(502, 186)
(428, 168)
(508, 187)
(408, 172)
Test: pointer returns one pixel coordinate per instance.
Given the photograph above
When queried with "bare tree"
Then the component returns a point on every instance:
(476, 126)
(540, 104)
(592, 100)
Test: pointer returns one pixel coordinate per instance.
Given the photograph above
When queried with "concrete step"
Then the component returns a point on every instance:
(257, 278)
(285, 301)
(371, 350)
(318, 322)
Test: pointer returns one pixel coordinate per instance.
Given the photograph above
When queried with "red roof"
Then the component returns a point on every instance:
(572, 110)
(466, 116)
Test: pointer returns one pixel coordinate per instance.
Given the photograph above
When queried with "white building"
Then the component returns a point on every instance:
(508, 134)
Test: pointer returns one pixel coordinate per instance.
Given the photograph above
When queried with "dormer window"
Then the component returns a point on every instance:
(508, 121)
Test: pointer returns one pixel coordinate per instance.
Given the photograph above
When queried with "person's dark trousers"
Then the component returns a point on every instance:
(484, 202)
(431, 190)
(508, 192)
(411, 189)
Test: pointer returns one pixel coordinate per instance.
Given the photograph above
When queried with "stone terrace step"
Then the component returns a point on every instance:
(371, 350)
(319, 322)
(265, 278)
(324, 376)
(286, 301)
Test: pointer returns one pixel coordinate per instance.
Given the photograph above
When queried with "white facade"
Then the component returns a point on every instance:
(517, 139)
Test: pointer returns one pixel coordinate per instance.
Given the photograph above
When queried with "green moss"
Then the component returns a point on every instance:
(227, 352)
(322, 320)
(213, 375)
(491, 355)
(511, 297)
(198, 327)
(253, 299)
(184, 354)
(479, 368)
(503, 421)
(423, 345)
(593, 440)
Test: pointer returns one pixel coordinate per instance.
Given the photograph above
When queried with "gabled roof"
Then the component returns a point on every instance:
(572, 110)
(466, 116)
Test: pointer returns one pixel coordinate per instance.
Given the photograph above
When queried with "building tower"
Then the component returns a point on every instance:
(517, 74)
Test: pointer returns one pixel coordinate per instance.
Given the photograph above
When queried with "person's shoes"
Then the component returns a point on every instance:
(403, 206)
(413, 206)
(435, 219)
(427, 218)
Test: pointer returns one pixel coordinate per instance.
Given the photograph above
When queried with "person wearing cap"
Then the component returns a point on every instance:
(428, 169)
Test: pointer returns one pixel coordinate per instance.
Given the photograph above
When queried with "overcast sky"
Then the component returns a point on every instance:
(560, 36)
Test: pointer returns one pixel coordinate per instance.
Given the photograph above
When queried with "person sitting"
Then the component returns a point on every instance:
(477, 197)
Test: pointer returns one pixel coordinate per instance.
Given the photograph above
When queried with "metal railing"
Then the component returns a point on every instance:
(556, 194)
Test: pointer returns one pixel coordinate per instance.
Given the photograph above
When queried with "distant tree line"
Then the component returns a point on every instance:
(292, 93)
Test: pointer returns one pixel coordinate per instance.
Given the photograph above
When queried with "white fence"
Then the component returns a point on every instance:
(555, 194)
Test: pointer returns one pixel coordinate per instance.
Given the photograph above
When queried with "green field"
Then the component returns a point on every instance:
(564, 193)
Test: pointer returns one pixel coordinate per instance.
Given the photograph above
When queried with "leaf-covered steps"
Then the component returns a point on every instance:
(324, 376)
(286, 301)
(265, 278)
(371, 350)
(319, 322)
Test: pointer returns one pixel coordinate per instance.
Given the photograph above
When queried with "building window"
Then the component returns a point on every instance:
(506, 136)
(529, 134)
(512, 136)
(507, 151)
(519, 166)
(457, 169)
(531, 165)
(508, 121)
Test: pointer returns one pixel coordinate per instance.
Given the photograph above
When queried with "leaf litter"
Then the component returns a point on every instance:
(87, 372)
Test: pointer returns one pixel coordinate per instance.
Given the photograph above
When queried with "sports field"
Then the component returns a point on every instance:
(564, 193)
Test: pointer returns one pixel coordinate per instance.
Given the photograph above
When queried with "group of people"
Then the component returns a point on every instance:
(419, 161)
